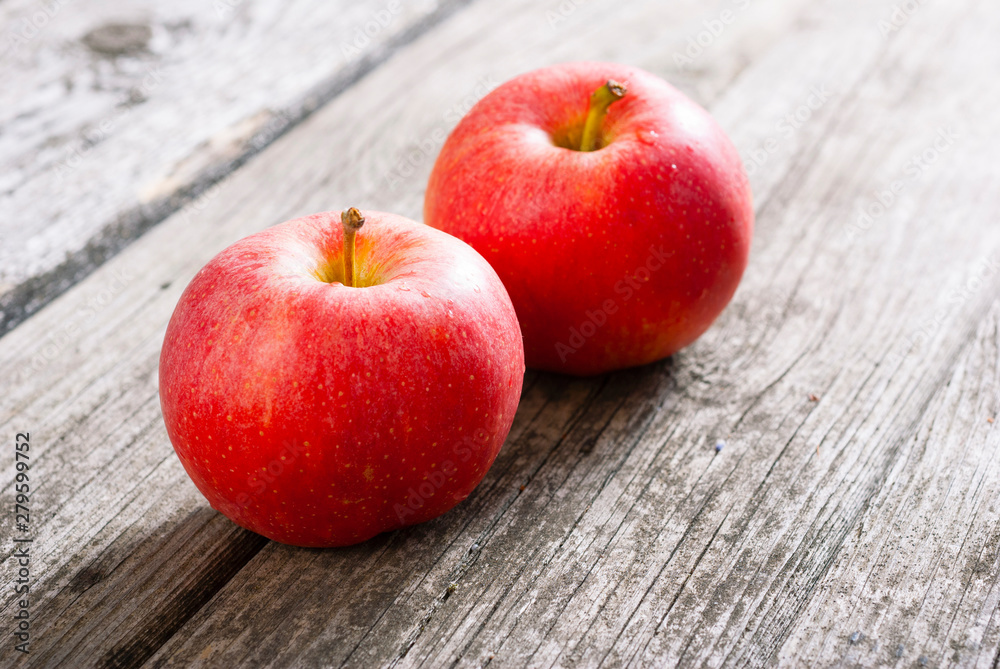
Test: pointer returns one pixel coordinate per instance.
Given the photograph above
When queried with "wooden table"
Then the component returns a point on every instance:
(853, 516)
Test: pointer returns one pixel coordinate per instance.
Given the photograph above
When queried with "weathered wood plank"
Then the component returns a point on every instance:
(85, 366)
(95, 601)
(89, 380)
(113, 114)
(923, 562)
(652, 548)
(631, 538)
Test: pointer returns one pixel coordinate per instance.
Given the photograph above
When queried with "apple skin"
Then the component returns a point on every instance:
(318, 414)
(615, 257)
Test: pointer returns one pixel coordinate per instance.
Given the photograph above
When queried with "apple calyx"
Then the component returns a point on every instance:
(352, 220)
(600, 101)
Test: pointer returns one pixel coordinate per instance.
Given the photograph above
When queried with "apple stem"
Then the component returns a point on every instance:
(352, 220)
(600, 100)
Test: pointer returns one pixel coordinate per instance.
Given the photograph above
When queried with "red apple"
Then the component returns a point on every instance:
(321, 414)
(620, 238)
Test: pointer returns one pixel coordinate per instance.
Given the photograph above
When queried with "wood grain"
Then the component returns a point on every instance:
(609, 531)
(115, 114)
(918, 578)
